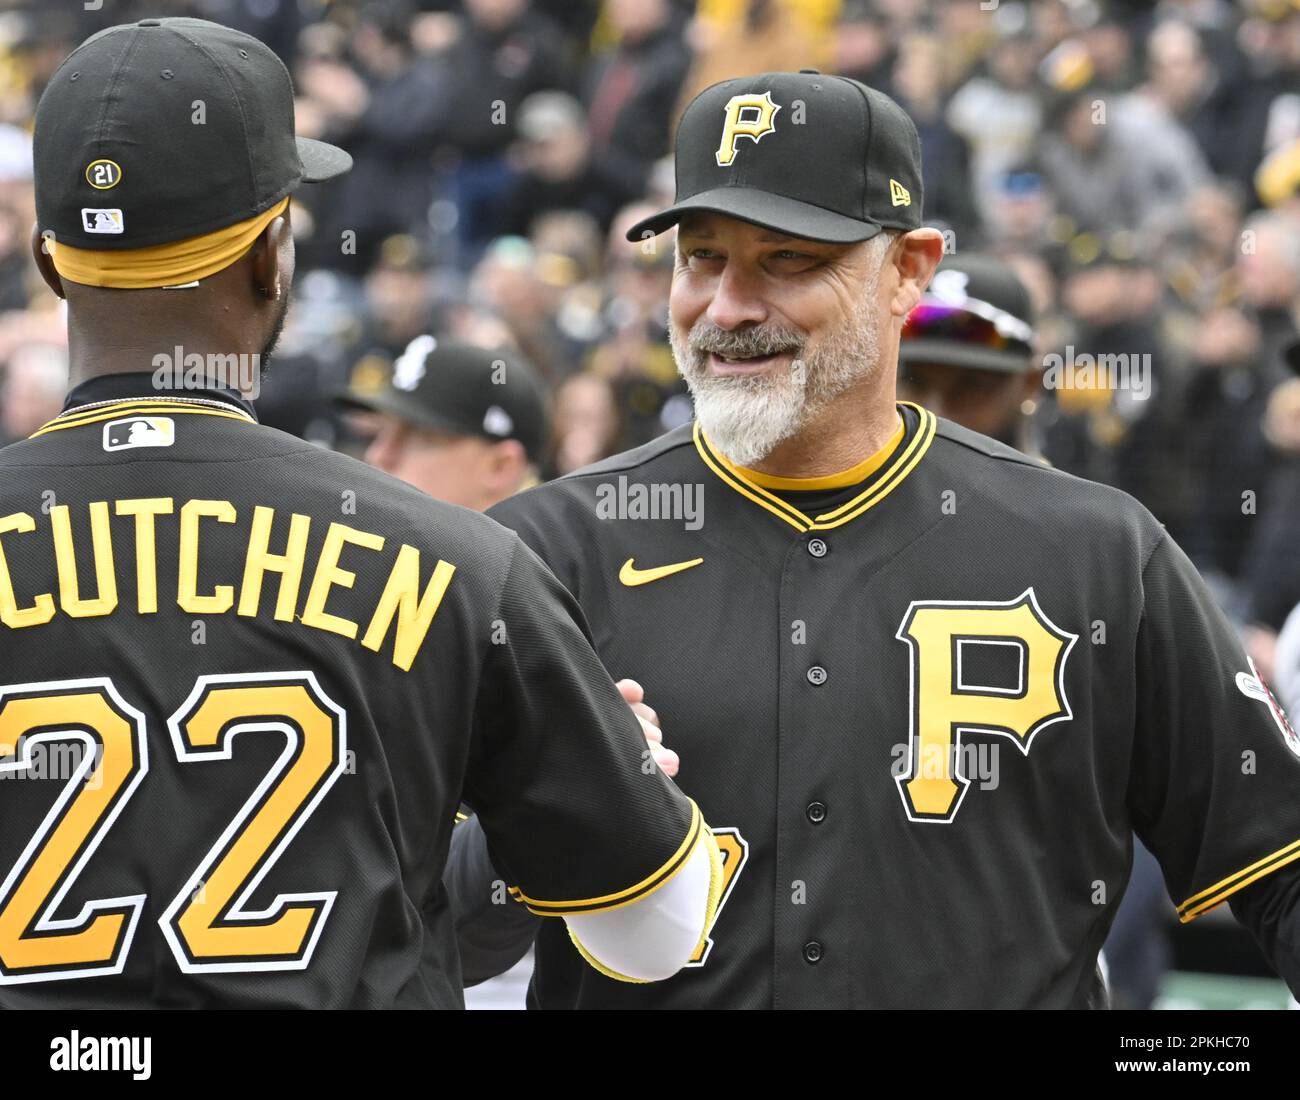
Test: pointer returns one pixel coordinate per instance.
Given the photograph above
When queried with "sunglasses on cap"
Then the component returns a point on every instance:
(973, 323)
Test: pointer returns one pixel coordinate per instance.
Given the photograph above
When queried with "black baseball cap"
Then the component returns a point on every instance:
(975, 313)
(462, 389)
(821, 157)
(180, 126)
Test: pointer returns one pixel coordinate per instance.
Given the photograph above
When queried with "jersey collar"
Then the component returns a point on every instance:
(112, 395)
(887, 476)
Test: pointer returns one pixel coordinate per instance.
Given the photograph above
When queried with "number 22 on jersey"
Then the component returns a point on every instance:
(206, 925)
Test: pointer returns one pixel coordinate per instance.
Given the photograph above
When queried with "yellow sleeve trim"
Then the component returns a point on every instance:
(1207, 899)
(647, 885)
(716, 880)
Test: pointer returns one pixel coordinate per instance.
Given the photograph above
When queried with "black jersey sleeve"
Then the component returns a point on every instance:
(577, 814)
(1270, 908)
(493, 929)
(1215, 784)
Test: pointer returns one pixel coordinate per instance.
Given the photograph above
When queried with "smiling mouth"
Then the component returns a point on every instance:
(744, 364)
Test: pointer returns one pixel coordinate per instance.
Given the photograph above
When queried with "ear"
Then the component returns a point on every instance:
(916, 255)
(265, 256)
(507, 462)
(45, 262)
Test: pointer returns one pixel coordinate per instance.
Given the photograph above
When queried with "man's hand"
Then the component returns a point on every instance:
(667, 760)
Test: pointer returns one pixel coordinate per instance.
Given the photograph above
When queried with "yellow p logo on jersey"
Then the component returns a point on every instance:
(945, 704)
(739, 125)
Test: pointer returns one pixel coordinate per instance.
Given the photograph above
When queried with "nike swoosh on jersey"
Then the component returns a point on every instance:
(631, 576)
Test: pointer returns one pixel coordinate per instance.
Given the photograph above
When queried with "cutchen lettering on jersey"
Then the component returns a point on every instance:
(303, 588)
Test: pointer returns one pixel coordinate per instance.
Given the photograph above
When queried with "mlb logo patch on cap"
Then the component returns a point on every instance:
(139, 431)
(98, 220)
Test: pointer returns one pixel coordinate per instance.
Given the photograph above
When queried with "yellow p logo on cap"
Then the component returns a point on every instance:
(737, 126)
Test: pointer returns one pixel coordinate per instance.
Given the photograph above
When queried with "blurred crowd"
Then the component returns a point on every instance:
(1137, 163)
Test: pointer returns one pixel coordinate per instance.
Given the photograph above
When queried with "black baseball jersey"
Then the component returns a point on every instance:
(926, 716)
(244, 685)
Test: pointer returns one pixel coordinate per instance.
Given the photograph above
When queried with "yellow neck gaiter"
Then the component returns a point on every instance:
(170, 264)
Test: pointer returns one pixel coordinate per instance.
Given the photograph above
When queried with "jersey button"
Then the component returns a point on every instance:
(817, 676)
(817, 548)
(812, 952)
(816, 812)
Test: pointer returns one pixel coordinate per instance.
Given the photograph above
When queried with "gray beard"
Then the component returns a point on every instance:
(747, 417)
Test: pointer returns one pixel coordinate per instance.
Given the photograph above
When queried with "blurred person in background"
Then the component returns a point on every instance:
(1243, 467)
(945, 154)
(967, 350)
(1115, 423)
(1022, 214)
(633, 353)
(862, 46)
(1268, 269)
(387, 106)
(999, 112)
(464, 424)
(555, 170)
(497, 54)
(509, 282)
(730, 38)
(1110, 54)
(1285, 657)
(1227, 455)
(586, 423)
(1213, 102)
(1164, 157)
(1272, 565)
(399, 302)
(32, 388)
(1089, 172)
(631, 92)
(1200, 254)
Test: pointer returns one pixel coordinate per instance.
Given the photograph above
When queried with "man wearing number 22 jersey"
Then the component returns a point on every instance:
(244, 683)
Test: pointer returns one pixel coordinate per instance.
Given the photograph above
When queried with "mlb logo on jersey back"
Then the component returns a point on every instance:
(139, 431)
(99, 220)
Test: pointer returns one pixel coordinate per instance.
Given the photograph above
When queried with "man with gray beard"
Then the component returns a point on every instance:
(871, 592)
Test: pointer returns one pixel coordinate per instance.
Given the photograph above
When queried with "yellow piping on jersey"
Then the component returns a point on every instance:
(852, 476)
(647, 885)
(1214, 895)
(896, 468)
(127, 405)
(138, 408)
